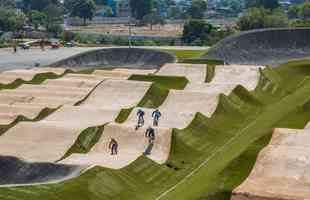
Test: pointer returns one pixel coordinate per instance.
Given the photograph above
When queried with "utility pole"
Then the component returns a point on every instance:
(129, 25)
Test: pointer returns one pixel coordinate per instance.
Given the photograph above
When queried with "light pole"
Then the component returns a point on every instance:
(129, 25)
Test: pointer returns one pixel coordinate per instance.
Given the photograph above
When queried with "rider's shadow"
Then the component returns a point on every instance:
(149, 149)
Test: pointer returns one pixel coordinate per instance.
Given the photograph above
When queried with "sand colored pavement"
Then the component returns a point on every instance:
(63, 127)
(82, 116)
(307, 126)
(117, 94)
(224, 88)
(281, 170)
(10, 112)
(180, 108)
(121, 73)
(132, 144)
(49, 139)
(195, 73)
(8, 77)
(245, 75)
(29, 100)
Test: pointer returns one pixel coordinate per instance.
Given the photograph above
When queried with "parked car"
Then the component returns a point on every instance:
(70, 44)
(55, 44)
(24, 46)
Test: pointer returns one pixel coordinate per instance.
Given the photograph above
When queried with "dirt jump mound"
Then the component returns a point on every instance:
(135, 58)
(16, 171)
(263, 47)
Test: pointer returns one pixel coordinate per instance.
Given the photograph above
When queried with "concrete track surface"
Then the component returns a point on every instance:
(58, 132)
(8, 77)
(26, 59)
(281, 170)
(132, 58)
(132, 144)
(194, 73)
(263, 47)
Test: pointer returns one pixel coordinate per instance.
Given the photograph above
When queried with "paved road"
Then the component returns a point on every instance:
(28, 58)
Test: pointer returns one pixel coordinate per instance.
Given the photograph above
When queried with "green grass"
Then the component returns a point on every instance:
(203, 61)
(168, 82)
(154, 97)
(186, 54)
(86, 140)
(210, 73)
(229, 141)
(123, 115)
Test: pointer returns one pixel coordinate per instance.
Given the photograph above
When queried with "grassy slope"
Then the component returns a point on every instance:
(229, 141)
(186, 54)
(86, 140)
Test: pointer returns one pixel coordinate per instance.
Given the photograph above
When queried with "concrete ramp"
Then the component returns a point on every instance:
(8, 77)
(282, 169)
(49, 139)
(132, 144)
(263, 47)
(82, 116)
(8, 113)
(132, 58)
(180, 108)
(118, 94)
(245, 75)
(195, 73)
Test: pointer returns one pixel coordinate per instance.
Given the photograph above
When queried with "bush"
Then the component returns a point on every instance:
(258, 18)
(55, 30)
(68, 36)
(121, 41)
(196, 32)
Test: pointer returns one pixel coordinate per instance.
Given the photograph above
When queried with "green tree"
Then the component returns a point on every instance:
(153, 19)
(257, 18)
(236, 6)
(140, 8)
(7, 4)
(176, 12)
(305, 11)
(84, 9)
(37, 18)
(11, 20)
(53, 16)
(268, 4)
(196, 30)
(293, 11)
(68, 5)
(197, 9)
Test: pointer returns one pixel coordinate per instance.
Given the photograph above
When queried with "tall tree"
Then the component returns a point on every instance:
(305, 11)
(268, 4)
(140, 8)
(11, 20)
(197, 9)
(7, 4)
(257, 18)
(84, 9)
(293, 11)
(39, 5)
(196, 30)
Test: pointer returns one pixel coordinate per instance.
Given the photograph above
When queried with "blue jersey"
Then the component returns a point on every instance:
(156, 114)
(140, 113)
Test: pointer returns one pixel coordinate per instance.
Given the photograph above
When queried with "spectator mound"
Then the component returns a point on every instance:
(263, 47)
(134, 58)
